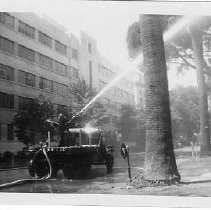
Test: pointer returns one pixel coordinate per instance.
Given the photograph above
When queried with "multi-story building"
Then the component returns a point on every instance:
(39, 58)
(99, 72)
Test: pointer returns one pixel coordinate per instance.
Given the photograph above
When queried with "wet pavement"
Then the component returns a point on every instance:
(196, 179)
(97, 182)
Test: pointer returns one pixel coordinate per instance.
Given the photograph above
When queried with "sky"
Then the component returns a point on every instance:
(107, 22)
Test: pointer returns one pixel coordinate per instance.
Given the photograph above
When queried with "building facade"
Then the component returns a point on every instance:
(40, 58)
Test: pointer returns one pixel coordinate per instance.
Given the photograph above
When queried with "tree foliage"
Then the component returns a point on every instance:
(96, 114)
(190, 49)
(127, 120)
(185, 113)
(131, 125)
(180, 49)
(30, 123)
(134, 39)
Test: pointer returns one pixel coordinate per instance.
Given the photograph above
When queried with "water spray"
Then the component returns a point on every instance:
(168, 35)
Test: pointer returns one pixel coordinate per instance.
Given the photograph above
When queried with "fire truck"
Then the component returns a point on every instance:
(82, 148)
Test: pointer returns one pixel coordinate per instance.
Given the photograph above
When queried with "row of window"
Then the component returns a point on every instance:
(23, 102)
(7, 101)
(105, 72)
(114, 91)
(29, 31)
(44, 61)
(10, 131)
(7, 72)
(110, 74)
(28, 54)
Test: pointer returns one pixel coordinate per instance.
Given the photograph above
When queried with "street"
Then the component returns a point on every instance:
(196, 179)
(97, 182)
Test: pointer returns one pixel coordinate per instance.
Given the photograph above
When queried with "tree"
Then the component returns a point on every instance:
(188, 49)
(30, 123)
(134, 39)
(131, 125)
(160, 163)
(184, 112)
(96, 114)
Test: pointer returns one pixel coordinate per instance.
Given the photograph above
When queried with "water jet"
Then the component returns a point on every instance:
(167, 36)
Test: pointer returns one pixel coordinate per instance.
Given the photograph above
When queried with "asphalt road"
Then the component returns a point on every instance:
(97, 182)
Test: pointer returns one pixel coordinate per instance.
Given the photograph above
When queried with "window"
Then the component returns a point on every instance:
(61, 48)
(60, 89)
(74, 54)
(64, 90)
(45, 61)
(46, 84)
(61, 68)
(26, 78)
(6, 101)
(7, 19)
(10, 132)
(26, 29)
(57, 88)
(75, 73)
(26, 53)
(23, 102)
(45, 39)
(6, 72)
(6, 45)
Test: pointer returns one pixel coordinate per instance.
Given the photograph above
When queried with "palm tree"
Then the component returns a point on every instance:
(187, 50)
(160, 163)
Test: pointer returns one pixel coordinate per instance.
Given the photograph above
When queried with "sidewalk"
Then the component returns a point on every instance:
(195, 178)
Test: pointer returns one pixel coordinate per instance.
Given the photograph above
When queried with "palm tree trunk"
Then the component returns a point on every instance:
(196, 38)
(160, 163)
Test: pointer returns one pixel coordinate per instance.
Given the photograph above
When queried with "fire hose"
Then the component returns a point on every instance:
(27, 181)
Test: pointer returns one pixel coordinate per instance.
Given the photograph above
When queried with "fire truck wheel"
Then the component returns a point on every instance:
(109, 162)
(86, 168)
(72, 170)
(41, 168)
(55, 170)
